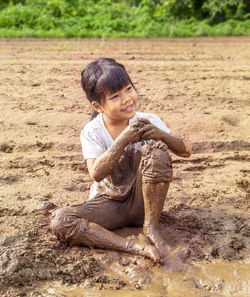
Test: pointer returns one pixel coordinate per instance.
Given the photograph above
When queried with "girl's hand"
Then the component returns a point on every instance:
(133, 133)
(176, 144)
(151, 132)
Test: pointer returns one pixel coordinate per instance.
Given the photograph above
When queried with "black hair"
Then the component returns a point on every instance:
(103, 77)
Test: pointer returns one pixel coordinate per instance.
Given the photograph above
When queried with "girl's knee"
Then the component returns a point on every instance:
(156, 163)
(57, 224)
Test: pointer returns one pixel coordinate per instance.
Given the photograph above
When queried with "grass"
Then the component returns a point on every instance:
(181, 28)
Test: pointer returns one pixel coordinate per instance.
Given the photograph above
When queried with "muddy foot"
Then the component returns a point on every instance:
(172, 259)
(156, 238)
(141, 246)
(152, 253)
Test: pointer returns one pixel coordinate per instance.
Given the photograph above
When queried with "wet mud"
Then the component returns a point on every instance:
(199, 87)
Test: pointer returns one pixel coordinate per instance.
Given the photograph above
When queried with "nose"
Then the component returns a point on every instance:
(125, 99)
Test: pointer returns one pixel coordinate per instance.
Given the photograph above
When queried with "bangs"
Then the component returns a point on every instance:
(113, 79)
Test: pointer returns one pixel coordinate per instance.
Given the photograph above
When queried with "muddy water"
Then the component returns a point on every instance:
(209, 279)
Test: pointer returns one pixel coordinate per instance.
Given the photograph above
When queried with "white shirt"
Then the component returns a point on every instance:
(96, 139)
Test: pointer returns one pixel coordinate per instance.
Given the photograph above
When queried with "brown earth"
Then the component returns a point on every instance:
(200, 88)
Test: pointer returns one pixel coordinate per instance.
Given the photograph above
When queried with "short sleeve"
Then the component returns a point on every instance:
(92, 146)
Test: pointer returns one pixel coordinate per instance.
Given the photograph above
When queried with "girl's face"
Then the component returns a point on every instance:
(121, 105)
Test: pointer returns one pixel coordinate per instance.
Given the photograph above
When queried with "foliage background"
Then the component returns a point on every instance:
(132, 18)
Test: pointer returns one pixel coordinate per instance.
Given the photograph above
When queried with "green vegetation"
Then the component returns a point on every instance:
(120, 18)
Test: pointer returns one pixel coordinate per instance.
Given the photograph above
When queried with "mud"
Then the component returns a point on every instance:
(199, 87)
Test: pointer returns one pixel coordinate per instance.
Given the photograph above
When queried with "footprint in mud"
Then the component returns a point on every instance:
(6, 148)
(44, 146)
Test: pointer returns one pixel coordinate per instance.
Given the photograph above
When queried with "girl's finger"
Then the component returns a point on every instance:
(140, 122)
(148, 135)
(144, 121)
(145, 129)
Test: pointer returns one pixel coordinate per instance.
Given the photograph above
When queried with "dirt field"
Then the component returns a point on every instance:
(200, 88)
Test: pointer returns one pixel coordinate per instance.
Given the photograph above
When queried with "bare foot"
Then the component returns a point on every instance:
(156, 238)
(140, 246)
(151, 252)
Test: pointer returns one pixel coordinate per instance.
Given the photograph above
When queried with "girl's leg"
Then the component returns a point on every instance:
(154, 197)
(156, 171)
(71, 224)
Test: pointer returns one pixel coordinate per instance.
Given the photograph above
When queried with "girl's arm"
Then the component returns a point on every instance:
(176, 144)
(102, 166)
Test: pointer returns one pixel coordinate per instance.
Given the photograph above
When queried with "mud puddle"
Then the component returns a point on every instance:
(209, 257)
(209, 279)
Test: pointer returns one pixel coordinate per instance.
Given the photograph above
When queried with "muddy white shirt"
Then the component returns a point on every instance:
(96, 139)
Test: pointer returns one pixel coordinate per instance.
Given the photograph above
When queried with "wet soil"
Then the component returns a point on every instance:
(200, 88)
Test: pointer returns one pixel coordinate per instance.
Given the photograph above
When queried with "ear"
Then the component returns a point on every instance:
(97, 106)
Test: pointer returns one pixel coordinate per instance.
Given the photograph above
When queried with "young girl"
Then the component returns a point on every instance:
(127, 157)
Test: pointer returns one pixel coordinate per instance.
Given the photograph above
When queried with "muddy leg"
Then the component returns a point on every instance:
(78, 231)
(156, 172)
(154, 196)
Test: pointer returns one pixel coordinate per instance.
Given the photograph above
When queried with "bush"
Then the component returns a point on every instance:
(133, 18)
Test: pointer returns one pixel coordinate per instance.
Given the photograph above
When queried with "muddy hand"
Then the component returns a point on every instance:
(150, 131)
(133, 132)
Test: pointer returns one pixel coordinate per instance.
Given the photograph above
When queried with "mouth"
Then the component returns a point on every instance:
(129, 108)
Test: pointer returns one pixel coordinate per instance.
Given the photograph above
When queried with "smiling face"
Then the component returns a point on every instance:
(119, 106)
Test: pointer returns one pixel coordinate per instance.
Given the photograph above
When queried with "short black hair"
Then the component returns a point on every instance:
(103, 77)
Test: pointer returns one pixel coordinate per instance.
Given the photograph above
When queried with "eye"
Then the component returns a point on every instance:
(113, 97)
(129, 88)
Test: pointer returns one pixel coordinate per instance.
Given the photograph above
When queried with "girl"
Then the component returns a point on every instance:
(128, 160)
